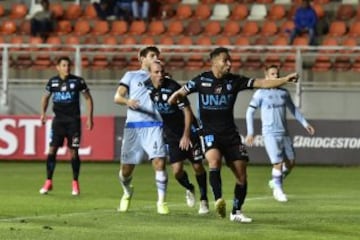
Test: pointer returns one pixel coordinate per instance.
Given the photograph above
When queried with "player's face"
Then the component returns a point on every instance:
(63, 68)
(222, 63)
(157, 74)
(149, 59)
(272, 73)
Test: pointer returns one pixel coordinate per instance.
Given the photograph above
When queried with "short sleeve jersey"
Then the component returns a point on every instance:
(66, 96)
(216, 99)
(134, 81)
(172, 115)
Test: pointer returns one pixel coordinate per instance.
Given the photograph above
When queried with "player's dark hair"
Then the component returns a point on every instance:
(143, 52)
(273, 66)
(63, 58)
(217, 51)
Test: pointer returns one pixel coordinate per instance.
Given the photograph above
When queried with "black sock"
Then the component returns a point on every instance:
(215, 182)
(50, 165)
(184, 181)
(201, 180)
(75, 163)
(239, 196)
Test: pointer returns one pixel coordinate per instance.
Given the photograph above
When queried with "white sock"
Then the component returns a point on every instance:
(277, 178)
(125, 183)
(161, 184)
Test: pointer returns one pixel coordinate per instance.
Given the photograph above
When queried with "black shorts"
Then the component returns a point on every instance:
(71, 130)
(194, 154)
(229, 145)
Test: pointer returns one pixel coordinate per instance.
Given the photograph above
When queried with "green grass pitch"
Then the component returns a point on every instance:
(324, 203)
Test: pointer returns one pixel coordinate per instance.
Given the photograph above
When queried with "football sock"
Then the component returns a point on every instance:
(184, 181)
(240, 192)
(285, 170)
(75, 163)
(277, 178)
(50, 165)
(161, 184)
(215, 182)
(125, 183)
(201, 180)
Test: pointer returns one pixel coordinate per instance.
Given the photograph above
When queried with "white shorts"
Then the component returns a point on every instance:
(142, 144)
(279, 148)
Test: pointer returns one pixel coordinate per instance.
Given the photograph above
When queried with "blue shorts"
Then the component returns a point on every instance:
(279, 148)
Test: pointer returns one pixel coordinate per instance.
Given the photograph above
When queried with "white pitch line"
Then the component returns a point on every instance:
(92, 212)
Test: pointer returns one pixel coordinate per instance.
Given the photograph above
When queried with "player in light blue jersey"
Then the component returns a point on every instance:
(273, 103)
(143, 132)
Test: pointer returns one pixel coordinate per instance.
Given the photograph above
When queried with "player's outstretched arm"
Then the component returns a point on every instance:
(177, 96)
(44, 105)
(263, 83)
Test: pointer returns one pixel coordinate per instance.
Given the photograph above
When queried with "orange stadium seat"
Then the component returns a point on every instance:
(231, 28)
(8, 27)
(63, 27)
(193, 28)
(82, 27)
(57, 10)
(133, 63)
(349, 42)
(18, 10)
(276, 12)
(137, 27)
(260, 40)
(253, 63)
(195, 62)
(250, 28)
(212, 28)
(280, 41)
(236, 62)
(222, 41)
(239, 12)
(24, 27)
(2, 10)
(42, 61)
(354, 30)
(337, 29)
(100, 62)
(16, 40)
(320, 12)
(204, 41)
(357, 16)
(202, 11)
(322, 64)
(34, 41)
(342, 63)
(119, 27)
(286, 27)
(90, 12)
(345, 12)
(54, 40)
(301, 41)
(289, 63)
(329, 42)
(118, 61)
(110, 40)
(128, 41)
(147, 40)
(185, 41)
(183, 11)
(321, 1)
(264, 1)
(91, 40)
(156, 28)
(268, 29)
(356, 65)
(166, 40)
(273, 60)
(71, 40)
(175, 28)
(100, 27)
(73, 11)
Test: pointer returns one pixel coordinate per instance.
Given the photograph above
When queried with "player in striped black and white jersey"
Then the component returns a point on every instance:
(143, 131)
(273, 103)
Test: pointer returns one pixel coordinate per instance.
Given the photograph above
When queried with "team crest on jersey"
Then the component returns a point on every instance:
(63, 88)
(156, 98)
(164, 97)
(218, 89)
(72, 85)
(228, 86)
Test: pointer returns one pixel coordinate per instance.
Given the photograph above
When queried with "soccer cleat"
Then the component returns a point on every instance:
(47, 187)
(75, 188)
(190, 198)
(279, 195)
(162, 208)
(271, 184)
(220, 207)
(204, 207)
(239, 217)
(125, 200)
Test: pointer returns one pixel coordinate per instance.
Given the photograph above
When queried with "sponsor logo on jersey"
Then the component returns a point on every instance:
(206, 84)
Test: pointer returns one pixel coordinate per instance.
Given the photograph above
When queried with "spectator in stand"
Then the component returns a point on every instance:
(140, 9)
(105, 9)
(41, 19)
(305, 21)
(123, 9)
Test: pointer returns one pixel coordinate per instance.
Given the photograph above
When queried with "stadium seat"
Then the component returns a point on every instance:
(236, 62)
(147, 40)
(184, 42)
(71, 40)
(280, 41)
(24, 27)
(212, 28)
(264, 1)
(133, 63)
(100, 62)
(276, 12)
(257, 12)
(18, 11)
(250, 28)
(268, 29)
(166, 41)
(204, 41)
(321, 1)
(193, 28)
(90, 12)
(342, 63)
(128, 41)
(137, 27)
(349, 42)
(289, 63)
(320, 12)
(253, 63)
(329, 42)
(118, 61)
(354, 30)
(231, 28)
(8, 27)
(337, 29)
(322, 64)
(273, 60)
(2, 10)
(42, 61)
(301, 41)
(286, 27)
(54, 40)
(156, 28)
(118, 27)
(345, 12)
(57, 10)
(239, 12)
(63, 27)
(241, 42)
(91, 40)
(175, 28)
(100, 27)
(220, 12)
(16, 40)
(175, 62)
(82, 27)
(202, 12)
(194, 62)
(222, 41)
(73, 11)
(356, 65)
(34, 41)
(110, 40)
(183, 11)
